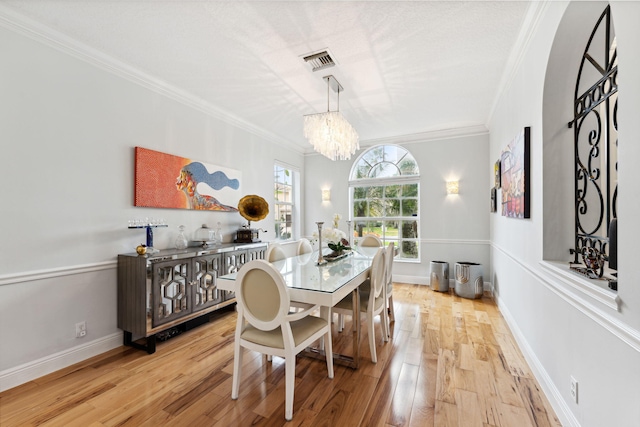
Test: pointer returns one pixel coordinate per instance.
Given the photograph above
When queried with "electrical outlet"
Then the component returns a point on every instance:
(574, 389)
(81, 329)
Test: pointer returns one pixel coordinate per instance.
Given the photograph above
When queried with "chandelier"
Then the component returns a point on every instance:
(330, 133)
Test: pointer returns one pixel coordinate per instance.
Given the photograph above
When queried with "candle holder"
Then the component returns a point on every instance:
(149, 225)
(349, 233)
(321, 259)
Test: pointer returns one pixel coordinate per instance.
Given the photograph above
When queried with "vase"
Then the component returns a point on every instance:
(181, 240)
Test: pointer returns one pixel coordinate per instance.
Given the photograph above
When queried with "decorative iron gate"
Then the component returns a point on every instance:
(595, 129)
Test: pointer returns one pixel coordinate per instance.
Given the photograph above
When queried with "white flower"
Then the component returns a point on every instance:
(333, 235)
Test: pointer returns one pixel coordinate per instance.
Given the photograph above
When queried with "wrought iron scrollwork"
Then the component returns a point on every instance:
(595, 125)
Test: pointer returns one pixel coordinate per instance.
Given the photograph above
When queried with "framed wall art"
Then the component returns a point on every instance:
(515, 176)
(496, 174)
(494, 201)
(167, 181)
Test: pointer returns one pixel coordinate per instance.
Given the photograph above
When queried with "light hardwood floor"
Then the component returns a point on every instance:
(450, 362)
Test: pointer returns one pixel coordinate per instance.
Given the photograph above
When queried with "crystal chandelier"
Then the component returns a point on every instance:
(330, 133)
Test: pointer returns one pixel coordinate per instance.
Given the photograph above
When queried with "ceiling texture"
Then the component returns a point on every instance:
(408, 68)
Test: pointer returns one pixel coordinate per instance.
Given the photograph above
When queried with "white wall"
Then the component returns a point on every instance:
(564, 331)
(68, 133)
(452, 228)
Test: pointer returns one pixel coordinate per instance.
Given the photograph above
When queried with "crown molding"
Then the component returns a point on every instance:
(38, 32)
(434, 135)
(421, 137)
(529, 28)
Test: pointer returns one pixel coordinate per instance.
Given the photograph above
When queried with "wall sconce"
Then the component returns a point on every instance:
(452, 187)
(326, 195)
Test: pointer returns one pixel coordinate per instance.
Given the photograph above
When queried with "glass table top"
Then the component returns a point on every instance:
(301, 272)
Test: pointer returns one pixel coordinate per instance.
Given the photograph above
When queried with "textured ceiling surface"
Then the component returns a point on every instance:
(406, 67)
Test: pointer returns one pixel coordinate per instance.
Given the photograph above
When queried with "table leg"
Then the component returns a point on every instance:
(341, 359)
(355, 298)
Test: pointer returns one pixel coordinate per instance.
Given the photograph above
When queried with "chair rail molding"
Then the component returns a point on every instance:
(30, 276)
(573, 292)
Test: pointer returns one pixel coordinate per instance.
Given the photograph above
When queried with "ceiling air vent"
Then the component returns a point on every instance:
(320, 60)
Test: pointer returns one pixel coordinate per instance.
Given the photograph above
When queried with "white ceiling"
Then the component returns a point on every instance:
(406, 67)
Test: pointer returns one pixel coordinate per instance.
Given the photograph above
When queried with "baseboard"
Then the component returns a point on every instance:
(414, 280)
(550, 390)
(18, 375)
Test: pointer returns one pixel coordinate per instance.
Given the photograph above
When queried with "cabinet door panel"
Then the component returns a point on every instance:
(169, 287)
(204, 291)
(232, 263)
(257, 253)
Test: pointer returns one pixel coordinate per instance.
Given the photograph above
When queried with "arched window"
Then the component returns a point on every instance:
(385, 197)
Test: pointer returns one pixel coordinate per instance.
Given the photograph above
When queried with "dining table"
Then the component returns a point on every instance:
(325, 284)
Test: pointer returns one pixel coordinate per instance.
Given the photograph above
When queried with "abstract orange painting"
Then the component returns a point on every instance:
(167, 181)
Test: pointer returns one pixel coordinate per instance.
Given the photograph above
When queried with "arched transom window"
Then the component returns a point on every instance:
(385, 197)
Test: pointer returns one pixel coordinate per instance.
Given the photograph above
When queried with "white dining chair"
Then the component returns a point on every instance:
(265, 325)
(372, 303)
(370, 240)
(304, 247)
(390, 254)
(275, 253)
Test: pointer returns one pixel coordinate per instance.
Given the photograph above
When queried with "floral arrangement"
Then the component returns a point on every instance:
(336, 239)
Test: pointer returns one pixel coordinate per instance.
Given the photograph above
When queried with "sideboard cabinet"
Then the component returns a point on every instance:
(173, 287)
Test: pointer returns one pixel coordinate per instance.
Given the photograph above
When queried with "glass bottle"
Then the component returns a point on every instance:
(219, 233)
(181, 240)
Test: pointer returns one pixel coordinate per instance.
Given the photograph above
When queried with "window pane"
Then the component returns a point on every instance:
(277, 172)
(362, 171)
(360, 208)
(409, 229)
(390, 230)
(281, 193)
(372, 227)
(359, 192)
(376, 207)
(392, 191)
(375, 192)
(287, 177)
(409, 249)
(410, 207)
(408, 167)
(374, 156)
(410, 190)
(392, 207)
(384, 170)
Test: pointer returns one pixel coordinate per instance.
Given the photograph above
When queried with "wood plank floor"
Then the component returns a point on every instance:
(450, 362)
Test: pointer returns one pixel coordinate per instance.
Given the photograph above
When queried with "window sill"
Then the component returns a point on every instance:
(407, 260)
(592, 289)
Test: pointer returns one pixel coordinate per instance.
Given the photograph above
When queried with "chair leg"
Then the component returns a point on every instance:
(384, 320)
(392, 313)
(290, 381)
(325, 341)
(237, 365)
(269, 358)
(340, 322)
(328, 351)
(372, 337)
